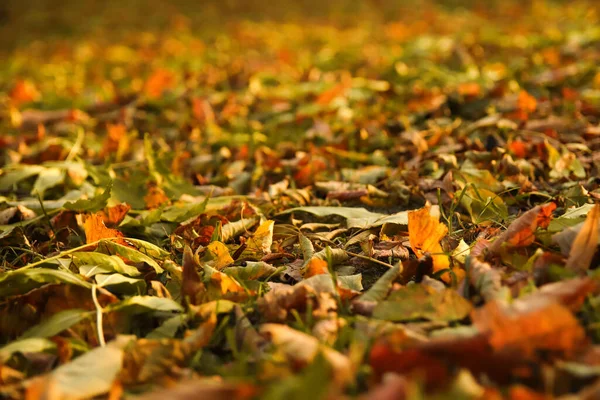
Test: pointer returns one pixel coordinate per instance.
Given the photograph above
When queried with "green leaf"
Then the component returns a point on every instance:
(130, 254)
(311, 383)
(400, 218)
(252, 271)
(382, 287)
(91, 205)
(346, 212)
(149, 249)
(418, 302)
(31, 345)
(13, 177)
(143, 304)
(183, 212)
(22, 281)
(352, 282)
(107, 262)
(168, 328)
(55, 324)
(48, 178)
(121, 284)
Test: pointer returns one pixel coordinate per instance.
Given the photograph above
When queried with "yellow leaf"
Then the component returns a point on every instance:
(262, 239)
(219, 255)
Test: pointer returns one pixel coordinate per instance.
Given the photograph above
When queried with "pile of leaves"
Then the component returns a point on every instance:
(396, 210)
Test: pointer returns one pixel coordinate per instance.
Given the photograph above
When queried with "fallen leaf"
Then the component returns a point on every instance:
(585, 244)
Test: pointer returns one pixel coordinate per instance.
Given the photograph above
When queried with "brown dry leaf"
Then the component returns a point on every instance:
(204, 388)
(192, 288)
(485, 279)
(585, 245)
(95, 229)
(300, 348)
(424, 233)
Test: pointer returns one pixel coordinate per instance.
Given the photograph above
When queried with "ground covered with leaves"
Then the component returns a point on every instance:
(382, 208)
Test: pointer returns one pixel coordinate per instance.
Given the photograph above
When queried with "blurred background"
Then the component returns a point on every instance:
(22, 21)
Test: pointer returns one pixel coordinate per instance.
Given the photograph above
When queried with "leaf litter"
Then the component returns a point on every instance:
(402, 207)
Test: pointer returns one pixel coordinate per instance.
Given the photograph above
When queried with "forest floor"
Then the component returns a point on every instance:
(396, 203)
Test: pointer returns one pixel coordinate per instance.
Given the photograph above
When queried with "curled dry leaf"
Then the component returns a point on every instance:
(520, 231)
(485, 279)
(585, 245)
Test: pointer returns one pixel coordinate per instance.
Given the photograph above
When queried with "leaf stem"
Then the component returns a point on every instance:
(369, 259)
(99, 326)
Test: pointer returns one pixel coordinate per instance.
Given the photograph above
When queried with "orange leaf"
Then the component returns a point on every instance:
(424, 234)
(524, 237)
(226, 283)
(95, 230)
(526, 104)
(155, 197)
(116, 139)
(315, 266)
(469, 89)
(112, 216)
(535, 325)
(518, 148)
(158, 82)
(545, 215)
(329, 95)
(23, 92)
